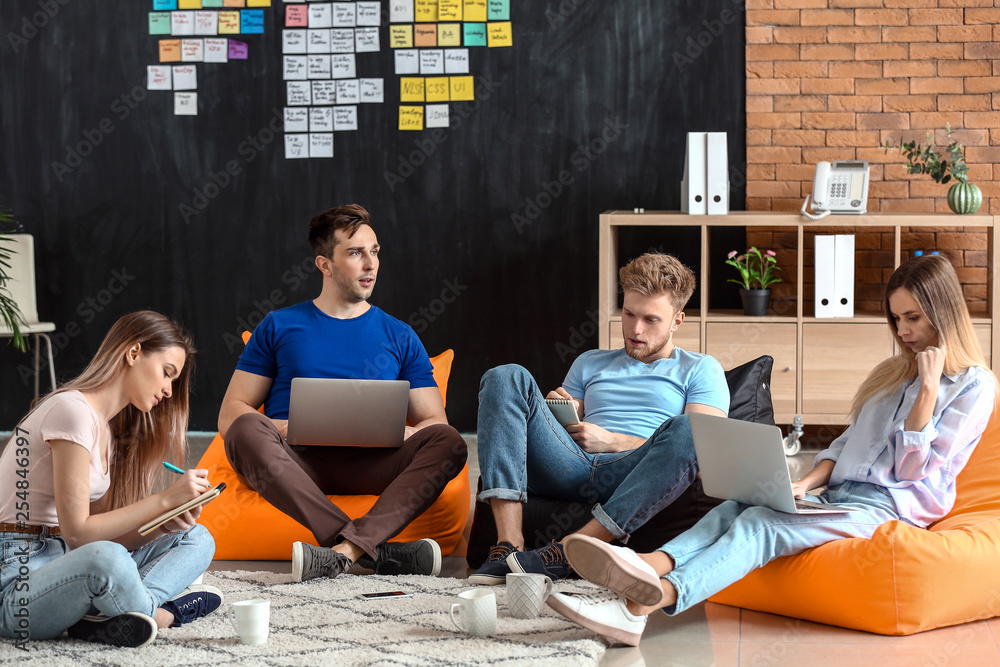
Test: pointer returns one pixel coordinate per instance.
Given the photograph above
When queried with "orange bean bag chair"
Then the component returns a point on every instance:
(904, 579)
(247, 527)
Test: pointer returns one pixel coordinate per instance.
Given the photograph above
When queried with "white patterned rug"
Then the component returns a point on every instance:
(323, 622)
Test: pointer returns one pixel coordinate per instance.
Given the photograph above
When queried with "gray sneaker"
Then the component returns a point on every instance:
(309, 562)
(420, 557)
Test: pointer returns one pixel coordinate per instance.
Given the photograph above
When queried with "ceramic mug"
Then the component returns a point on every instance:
(526, 593)
(251, 620)
(477, 609)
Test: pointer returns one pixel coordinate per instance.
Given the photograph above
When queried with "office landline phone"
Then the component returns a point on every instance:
(840, 188)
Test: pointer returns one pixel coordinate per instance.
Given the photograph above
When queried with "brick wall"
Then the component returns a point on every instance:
(833, 79)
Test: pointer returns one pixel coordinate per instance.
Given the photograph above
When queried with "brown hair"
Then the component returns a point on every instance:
(655, 273)
(324, 226)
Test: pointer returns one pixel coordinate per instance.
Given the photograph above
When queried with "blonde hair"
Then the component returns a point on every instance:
(655, 273)
(934, 285)
(141, 440)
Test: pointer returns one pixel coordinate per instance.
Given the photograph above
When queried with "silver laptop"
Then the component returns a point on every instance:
(350, 413)
(745, 461)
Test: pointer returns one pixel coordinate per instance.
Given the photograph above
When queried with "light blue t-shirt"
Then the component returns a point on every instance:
(627, 396)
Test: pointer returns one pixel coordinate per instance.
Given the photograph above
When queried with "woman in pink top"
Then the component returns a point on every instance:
(77, 480)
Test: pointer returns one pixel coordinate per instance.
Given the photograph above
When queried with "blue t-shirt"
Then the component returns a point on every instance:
(624, 395)
(303, 341)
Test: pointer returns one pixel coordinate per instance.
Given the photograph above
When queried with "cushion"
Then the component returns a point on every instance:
(247, 527)
(545, 519)
(904, 579)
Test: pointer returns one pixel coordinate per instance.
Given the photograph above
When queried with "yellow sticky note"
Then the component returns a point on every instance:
(188, 4)
(449, 10)
(411, 89)
(498, 33)
(258, 3)
(401, 36)
(437, 89)
(411, 118)
(170, 50)
(229, 23)
(475, 10)
(462, 88)
(426, 11)
(449, 34)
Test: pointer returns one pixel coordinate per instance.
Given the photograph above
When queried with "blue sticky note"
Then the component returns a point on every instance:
(163, 5)
(474, 34)
(498, 10)
(252, 21)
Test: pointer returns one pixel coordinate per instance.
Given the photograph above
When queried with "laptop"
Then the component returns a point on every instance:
(745, 461)
(349, 413)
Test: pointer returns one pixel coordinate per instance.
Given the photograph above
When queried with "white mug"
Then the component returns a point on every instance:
(526, 593)
(477, 608)
(251, 620)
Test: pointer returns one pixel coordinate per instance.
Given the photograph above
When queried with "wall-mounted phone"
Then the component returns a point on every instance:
(841, 188)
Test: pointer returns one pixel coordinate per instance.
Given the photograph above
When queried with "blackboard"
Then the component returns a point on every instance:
(488, 228)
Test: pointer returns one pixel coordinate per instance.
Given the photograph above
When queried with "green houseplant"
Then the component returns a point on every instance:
(963, 197)
(757, 274)
(10, 315)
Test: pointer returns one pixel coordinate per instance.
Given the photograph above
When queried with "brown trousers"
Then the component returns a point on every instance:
(297, 480)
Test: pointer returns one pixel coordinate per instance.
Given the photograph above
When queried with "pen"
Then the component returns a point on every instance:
(172, 468)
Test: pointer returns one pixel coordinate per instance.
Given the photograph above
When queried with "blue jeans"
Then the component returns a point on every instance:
(734, 539)
(45, 587)
(523, 448)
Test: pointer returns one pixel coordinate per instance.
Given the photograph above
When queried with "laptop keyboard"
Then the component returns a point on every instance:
(808, 504)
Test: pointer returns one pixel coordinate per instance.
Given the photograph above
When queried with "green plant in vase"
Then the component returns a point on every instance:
(757, 274)
(10, 315)
(963, 197)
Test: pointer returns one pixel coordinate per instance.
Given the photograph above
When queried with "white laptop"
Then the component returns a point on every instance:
(745, 461)
(350, 413)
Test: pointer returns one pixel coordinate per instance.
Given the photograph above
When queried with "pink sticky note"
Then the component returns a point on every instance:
(296, 16)
(237, 50)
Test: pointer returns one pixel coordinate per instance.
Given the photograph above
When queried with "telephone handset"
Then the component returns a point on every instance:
(840, 188)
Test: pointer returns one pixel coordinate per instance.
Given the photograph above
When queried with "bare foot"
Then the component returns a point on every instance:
(659, 561)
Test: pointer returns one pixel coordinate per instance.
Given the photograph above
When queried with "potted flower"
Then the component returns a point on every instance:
(963, 197)
(757, 271)
(10, 316)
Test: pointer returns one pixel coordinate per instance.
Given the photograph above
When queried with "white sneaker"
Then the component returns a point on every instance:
(618, 569)
(603, 612)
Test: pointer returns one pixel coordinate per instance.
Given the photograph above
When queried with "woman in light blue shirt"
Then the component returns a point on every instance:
(914, 423)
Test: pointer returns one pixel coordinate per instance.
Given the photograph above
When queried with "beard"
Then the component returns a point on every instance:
(651, 348)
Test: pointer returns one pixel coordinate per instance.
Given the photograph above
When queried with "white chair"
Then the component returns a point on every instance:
(21, 287)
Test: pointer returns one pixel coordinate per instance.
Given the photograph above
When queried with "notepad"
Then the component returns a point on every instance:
(206, 497)
(564, 410)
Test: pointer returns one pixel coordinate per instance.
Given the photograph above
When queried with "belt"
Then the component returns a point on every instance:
(25, 528)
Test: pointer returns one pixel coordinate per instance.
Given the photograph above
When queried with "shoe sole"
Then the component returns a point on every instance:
(596, 562)
(298, 557)
(487, 579)
(436, 569)
(126, 631)
(618, 634)
(515, 566)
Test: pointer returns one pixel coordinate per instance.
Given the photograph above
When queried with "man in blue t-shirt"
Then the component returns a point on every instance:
(340, 335)
(632, 453)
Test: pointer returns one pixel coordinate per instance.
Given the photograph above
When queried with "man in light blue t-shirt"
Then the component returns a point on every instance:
(631, 455)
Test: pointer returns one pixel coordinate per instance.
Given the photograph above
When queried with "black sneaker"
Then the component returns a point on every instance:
(549, 560)
(309, 562)
(420, 557)
(495, 570)
(129, 630)
(193, 602)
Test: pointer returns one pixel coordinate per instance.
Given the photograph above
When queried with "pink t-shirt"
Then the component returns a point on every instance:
(28, 456)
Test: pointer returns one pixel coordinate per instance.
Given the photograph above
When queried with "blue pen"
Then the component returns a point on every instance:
(172, 468)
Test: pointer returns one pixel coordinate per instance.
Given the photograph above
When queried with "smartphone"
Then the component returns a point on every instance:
(387, 594)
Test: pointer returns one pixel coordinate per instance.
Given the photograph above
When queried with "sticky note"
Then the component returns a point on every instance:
(159, 23)
(475, 10)
(216, 50)
(188, 4)
(499, 34)
(296, 146)
(293, 41)
(318, 41)
(296, 120)
(369, 13)
(234, 3)
(343, 66)
(425, 10)
(321, 119)
(401, 36)
(170, 50)
(344, 15)
(185, 104)
(294, 68)
(456, 61)
(436, 89)
(462, 88)
(320, 16)
(238, 50)
(319, 67)
(164, 5)
(258, 3)
(407, 61)
(229, 23)
(192, 50)
(296, 16)
(320, 144)
(252, 21)
(181, 23)
(474, 34)
(400, 11)
(372, 90)
(211, 3)
(411, 89)
(348, 92)
(432, 61)
(425, 34)
(342, 40)
(345, 119)
(411, 118)
(206, 23)
(158, 78)
(449, 10)
(324, 92)
(366, 40)
(449, 34)
(498, 10)
(185, 77)
(299, 93)
(436, 115)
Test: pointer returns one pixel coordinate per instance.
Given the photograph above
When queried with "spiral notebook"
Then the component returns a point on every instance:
(564, 411)
(206, 497)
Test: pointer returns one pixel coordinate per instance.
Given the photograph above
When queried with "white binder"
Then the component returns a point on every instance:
(843, 276)
(693, 187)
(826, 265)
(717, 179)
